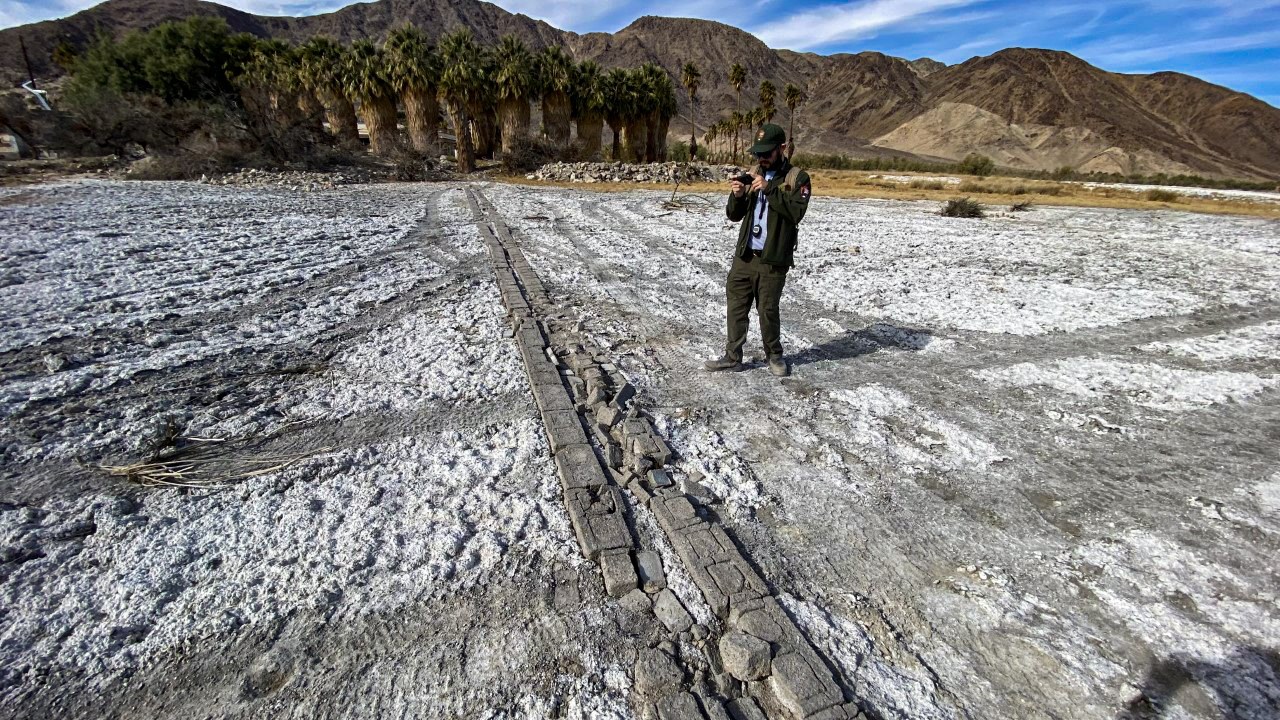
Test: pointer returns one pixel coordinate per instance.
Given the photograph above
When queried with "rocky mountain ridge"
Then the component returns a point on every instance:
(1038, 109)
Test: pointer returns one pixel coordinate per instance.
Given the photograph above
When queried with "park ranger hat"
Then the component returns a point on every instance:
(767, 138)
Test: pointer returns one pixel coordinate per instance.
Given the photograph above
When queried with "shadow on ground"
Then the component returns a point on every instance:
(1246, 683)
(873, 338)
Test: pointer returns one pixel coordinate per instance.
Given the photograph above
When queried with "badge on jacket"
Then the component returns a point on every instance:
(804, 191)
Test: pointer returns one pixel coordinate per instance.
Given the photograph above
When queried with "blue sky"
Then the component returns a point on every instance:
(1230, 42)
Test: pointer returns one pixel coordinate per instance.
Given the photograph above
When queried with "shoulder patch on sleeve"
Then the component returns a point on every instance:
(805, 190)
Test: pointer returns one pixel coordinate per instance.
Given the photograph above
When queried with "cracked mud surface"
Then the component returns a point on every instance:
(1024, 468)
(385, 537)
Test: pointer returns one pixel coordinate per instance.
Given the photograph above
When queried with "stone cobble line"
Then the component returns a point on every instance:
(760, 664)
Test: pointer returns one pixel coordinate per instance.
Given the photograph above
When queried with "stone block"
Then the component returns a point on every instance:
(655, 674)
(532, 337)
(800, 689)
(540, 371)
(744, 708)
(649, 569)
(578, 388)
(609, 416)
(596, 516)
(679, 706)
(713, 708)
(578, 468)
(670, 612)
(551, 397)
(618, 573)
(638, 489)
(658, 478)
(662, 451)
(613, 455)
(745, 656)
(596, 396)
(563, 429)
(727, 578)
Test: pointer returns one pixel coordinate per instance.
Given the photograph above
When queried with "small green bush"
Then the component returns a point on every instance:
(975, 164)
(963, 208)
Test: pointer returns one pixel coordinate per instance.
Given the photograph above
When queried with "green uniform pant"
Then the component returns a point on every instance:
(753, 282)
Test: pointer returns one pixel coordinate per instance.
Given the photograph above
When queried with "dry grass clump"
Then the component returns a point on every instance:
(998, 187)
(1158, 195)
(927, 185)
(963, 208)
(1023, 206)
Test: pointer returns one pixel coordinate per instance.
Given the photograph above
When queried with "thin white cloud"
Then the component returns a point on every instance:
(850, 21)
(563, 14)
(1129, 51)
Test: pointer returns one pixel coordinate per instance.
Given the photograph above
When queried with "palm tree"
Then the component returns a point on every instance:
(589, 103)
(768, 96)
(737, 78)
(555, 80)
(666, 108)
(368, 84)
(414, 69)
(513, 81)
(795, 97)
(461, 76)
(636, 139)
(709, 139)
(269, 87)
(484, 108)
(689, 77)
(737, 120)
(322, 59)
(617, 87)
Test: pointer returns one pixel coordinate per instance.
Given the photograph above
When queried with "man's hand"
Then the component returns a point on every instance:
(758, 183)
(737, 188)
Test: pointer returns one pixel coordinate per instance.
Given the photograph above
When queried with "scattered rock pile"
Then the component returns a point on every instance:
(297, 179)
(665, 173)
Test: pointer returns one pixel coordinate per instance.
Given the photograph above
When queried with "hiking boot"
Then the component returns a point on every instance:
(723, 363)
(779, 367)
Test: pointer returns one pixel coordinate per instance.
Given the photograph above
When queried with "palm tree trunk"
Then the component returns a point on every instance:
(422, 116)
(555, 117)
(484, 130)
(589, 129)
(693, 130)
(514, 116)
(311, 109)
(380, 119)
(635, 138)
(651, 138)
(341, 115)
(617, 126)
(462, 131)
(664, 128)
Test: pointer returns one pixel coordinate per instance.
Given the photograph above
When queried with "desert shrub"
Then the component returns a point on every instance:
(679, 152)
(1158, 195)
(927, 185)
(1023, 206)
(975, 164)
(963, 208)
(408, 165)
(529, 153)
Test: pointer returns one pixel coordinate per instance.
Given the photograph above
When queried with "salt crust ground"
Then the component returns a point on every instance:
(1024, 466)
(433, 488)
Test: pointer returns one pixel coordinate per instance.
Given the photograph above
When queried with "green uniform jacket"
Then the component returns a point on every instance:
(787, 206)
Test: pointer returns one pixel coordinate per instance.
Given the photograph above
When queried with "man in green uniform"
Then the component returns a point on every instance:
(770, 208)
